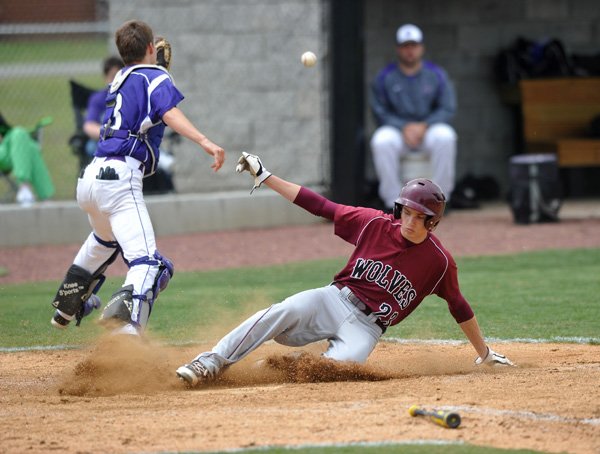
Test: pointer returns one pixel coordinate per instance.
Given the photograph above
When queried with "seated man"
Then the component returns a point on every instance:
(20, 155)
(412, 101)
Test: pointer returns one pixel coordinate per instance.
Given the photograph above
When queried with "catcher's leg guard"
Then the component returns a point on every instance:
(130, 308)
(70, 296)
(121, 310)
(119, 307)
(74, 296)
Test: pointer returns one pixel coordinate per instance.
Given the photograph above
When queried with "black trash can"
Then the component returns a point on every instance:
(535, 188)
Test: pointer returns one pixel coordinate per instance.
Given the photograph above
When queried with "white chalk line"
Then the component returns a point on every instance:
(39, 348)
(523, 414)
(494, 340)
(397, 340)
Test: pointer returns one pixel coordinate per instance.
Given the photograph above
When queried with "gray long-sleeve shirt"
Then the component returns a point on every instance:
(397, 99)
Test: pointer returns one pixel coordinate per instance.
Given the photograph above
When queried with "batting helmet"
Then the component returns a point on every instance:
(424, 196)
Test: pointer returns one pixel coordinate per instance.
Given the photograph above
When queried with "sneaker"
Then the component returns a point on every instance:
(193, 373)
(25, 196)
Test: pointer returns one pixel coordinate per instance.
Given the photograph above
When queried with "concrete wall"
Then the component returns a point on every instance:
(63, 222)
(238, 64)
(464, 36)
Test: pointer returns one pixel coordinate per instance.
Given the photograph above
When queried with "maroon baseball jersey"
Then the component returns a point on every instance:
(390, 274)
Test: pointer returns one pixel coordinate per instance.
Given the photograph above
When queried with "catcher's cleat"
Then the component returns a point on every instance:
(193, 373)
(60, 319)
(128, 330)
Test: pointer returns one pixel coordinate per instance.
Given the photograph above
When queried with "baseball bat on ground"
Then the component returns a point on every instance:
(440, 417)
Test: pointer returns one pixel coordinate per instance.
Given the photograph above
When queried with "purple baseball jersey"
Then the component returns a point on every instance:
(96, 106)
(138, 105)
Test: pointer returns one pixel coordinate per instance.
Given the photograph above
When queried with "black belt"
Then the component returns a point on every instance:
(361, 306)
(122, 158)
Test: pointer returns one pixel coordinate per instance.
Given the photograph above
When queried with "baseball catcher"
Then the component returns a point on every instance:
(141, 101)
(396, 263)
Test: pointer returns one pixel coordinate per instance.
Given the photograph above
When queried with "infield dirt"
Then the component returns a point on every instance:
(120, 396)
(117, 396)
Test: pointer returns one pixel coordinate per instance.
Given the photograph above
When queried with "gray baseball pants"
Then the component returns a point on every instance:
(306, 317)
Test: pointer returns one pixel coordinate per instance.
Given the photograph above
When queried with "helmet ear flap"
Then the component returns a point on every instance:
(431, 223)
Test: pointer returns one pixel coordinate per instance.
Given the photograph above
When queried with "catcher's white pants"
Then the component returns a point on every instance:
(117, 212)
(306, 317)
(388, 148)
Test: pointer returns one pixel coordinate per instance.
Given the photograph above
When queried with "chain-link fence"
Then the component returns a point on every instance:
(38, 59)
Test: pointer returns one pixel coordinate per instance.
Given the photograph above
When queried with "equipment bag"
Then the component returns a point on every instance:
(527, 59)
(535, 190)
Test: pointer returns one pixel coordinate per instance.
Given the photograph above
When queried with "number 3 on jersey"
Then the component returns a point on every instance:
(117, 112)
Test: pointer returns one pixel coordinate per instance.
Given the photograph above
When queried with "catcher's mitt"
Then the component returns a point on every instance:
(163, 52)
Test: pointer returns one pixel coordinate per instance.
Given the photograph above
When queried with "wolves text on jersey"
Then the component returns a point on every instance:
(393, 281)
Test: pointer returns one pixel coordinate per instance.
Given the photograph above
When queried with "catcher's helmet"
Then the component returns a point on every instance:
(424, 196)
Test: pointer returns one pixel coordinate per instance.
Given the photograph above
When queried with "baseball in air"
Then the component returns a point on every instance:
(309, 59)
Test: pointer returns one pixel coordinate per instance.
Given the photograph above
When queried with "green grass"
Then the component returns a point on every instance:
(393, 449)
(52, 50)
(539, 295)
(536, 295)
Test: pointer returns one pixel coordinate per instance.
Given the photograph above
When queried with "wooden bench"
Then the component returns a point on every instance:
(556, 118)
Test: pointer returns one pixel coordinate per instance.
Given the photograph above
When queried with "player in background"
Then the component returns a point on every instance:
(96, 105)
(21, 156)
(396, 263)
(141, 101)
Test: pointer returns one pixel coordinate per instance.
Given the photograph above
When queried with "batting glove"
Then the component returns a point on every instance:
(254, 165)
(492, 358)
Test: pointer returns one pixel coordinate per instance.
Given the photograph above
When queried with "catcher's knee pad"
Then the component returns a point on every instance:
(71, 294)
(161, 281)
(164, 275)
(149, 295)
